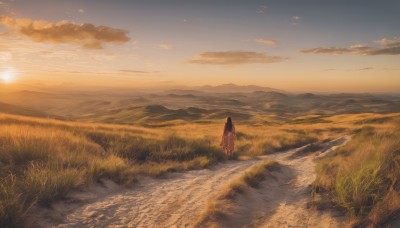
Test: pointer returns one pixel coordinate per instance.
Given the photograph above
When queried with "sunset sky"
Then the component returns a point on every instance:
(295, 45)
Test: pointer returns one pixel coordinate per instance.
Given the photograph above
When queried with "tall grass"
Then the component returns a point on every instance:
(13, 204)
(41, 162)
(363, 176)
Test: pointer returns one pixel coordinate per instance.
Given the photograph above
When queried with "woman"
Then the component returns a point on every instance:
(228, 137)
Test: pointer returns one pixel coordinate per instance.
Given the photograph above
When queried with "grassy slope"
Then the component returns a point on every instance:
(12, 109)
(41, 160)
(363, 176)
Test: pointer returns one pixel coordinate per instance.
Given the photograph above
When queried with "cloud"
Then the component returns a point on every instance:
(295, 19)
(81, 10)
(266, 41)
(385, 47)
(5, 57)
(86, 35)
(325, 50)
(134, 71)
(234, 58)
(385, 51)
(395, 42)
(365, 68)
(165, 46)
(6, 7)
(357, 69)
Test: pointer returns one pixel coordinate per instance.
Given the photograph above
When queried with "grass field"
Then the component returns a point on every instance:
(362, 177)
(41, 160)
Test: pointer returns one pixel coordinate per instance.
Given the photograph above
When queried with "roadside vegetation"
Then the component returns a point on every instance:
(363, 176)
(42, 160)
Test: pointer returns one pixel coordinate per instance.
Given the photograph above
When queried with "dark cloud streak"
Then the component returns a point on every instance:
(134, 71)
(326, 50)
(387, 47)
(233, 58)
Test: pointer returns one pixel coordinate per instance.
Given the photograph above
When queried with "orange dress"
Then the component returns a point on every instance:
(228, 137)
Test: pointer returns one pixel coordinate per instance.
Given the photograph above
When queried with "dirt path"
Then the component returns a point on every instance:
(178, 200)
(293, 204)
(174, 201)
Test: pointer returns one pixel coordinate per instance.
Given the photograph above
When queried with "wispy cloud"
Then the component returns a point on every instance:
(385, 47)
(166, 46)
(326, 50)
(86, 35)
(234, 58)
(357, 69)
(365, 68)
(81, 10)
(5, 57)
(394, 42)
(6, 7)
(295, 20)
(266, 41)
(261, 9)
(134, 71)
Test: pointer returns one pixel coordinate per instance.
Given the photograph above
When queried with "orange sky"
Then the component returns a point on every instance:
(319, 47)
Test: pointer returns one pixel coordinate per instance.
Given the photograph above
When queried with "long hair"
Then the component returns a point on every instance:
(228, 124)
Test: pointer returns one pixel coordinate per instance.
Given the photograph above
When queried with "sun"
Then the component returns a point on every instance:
(7, 76)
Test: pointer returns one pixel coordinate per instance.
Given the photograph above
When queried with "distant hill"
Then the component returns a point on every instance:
(227, 88)
(224, 88)
(203, 103)
(25, 93)
(16, 110)
(184, 92)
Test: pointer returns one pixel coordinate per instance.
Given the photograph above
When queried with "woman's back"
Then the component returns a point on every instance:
(228, 137)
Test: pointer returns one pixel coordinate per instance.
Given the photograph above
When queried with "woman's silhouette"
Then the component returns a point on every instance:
(228, 137)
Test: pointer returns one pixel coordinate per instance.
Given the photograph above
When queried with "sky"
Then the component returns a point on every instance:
(294, 45)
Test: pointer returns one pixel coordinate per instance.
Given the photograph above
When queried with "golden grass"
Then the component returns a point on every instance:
(259, 140)
(41, 160)
(363, 176)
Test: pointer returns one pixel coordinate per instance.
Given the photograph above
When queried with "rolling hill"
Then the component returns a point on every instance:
(16, 110)
(191, 104)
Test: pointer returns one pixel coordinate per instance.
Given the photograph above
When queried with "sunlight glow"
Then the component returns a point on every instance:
(7, 76)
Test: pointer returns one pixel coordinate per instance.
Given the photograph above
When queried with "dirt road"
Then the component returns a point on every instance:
(179, 199)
